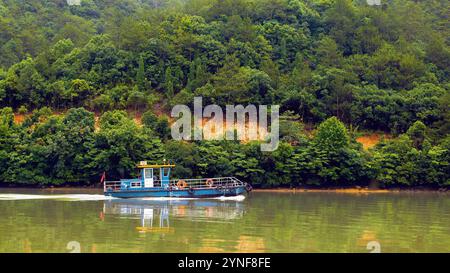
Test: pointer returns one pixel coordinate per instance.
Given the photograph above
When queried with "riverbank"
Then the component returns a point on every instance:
(354, 190)
(351, 190)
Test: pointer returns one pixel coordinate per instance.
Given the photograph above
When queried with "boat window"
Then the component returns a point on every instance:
(135, 184)
(148, 173)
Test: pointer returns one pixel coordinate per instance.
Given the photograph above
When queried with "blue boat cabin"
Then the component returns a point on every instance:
(151, 176)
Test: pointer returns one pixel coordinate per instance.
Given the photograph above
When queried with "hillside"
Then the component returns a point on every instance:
(335, 67)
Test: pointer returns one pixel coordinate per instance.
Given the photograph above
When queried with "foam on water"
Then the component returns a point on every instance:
(233, 198)
(99, 197)
(64, 197)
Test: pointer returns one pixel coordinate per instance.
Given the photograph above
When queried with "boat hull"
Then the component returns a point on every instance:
(179, 193)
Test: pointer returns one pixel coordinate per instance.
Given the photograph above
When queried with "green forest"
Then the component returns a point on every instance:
(78, 75)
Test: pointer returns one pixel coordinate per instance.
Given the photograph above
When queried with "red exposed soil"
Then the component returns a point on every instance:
(369, 141)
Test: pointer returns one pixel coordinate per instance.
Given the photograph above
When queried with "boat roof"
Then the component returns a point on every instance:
(156, 166)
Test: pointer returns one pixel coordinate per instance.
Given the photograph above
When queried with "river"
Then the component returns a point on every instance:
(86, 221)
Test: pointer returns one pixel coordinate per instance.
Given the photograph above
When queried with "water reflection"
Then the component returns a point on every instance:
(155, 216)
(263, 222)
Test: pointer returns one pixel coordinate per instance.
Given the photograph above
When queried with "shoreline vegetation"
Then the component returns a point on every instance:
(349, 190)
(352, 190)
(338, 69)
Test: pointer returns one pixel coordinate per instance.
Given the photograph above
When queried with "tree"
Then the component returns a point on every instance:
(137, 99)
(197, 75)
(162, 127)
(120, 144)
(23, 85)
(8, 140)
(168, 83)
(417, 133)
(103, 103)
(332, 135)
(149, 119)
(393, 69)
(140, 77)
(291, 129)
(79, 91)
(328, 53)
(342, 18)
(336, 159)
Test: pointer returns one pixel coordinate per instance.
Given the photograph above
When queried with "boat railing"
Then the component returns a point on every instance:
(111, 186)
(207, 182)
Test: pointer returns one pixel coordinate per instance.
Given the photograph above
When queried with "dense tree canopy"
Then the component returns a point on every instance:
(338, 63)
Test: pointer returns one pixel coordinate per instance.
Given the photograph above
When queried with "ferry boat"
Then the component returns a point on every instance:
(154, 181)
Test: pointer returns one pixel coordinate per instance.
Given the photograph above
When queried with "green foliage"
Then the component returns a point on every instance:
(321, 61)
(149, 119)
(136, 99)
(22, 110)
(315, 58)
(331, 135)
(140, 77)
(168, 79)
(52, 150)
(291, 130)
(120, 143)
(410, 161)
(417, 133)
(337, 159)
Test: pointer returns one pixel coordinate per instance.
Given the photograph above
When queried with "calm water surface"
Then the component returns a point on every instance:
(42, 221)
